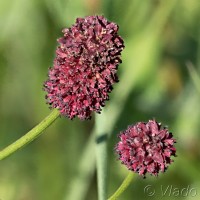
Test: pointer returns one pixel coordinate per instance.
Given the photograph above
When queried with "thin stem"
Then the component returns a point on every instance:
(101, 155)
(123, 186)
(30, 136)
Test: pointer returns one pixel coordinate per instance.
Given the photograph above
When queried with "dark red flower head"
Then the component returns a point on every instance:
(146, 148)
(85, 67)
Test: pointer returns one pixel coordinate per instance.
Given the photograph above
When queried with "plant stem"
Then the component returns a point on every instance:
(101, 155)
(31, 135)
(123, 186)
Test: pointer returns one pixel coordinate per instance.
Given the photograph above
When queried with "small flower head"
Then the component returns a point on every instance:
(85, 67)
(146, 148)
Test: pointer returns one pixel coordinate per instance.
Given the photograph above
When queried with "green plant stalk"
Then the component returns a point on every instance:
(123, 186)
(30, 136)
(101, 155)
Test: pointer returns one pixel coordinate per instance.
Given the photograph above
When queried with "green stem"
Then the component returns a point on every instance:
(30, 136)
(123, 186)
(101, 155)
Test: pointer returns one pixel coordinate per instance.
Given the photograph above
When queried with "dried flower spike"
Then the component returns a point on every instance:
(85, 67)
(146, 148)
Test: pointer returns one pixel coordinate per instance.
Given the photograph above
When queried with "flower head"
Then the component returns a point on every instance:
(146, 148)
(85, 67)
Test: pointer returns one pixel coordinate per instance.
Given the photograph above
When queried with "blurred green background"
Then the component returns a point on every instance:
(159, 78)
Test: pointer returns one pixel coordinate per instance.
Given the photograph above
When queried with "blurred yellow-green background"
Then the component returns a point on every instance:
(159, 78)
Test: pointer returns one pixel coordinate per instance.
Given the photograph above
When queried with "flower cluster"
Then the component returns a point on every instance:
(85, 67)
(146, 148)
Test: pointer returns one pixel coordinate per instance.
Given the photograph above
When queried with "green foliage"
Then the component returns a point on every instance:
(161, 38)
